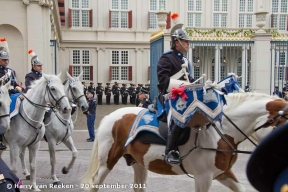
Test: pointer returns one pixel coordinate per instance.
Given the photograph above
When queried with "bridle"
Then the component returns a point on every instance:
(44, 107)
(281, 114)
(75, 99)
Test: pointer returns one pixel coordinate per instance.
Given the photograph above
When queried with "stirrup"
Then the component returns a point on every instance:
(169, 158)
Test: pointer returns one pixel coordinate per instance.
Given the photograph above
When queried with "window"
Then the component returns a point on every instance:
(279, 14)
(80, 15)
(220, 12)
(194, 13)
(119, 15)
(81, 62)
(120, 69)
(196, 72)
(280, 63)
(154, 6)
(246, 12)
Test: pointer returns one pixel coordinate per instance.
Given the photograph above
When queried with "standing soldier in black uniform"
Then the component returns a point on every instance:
(5, 72)
(36, 71)
(138, 90)
(169, 64)
(116, 93)
(132, 94)
(124, 93)
(108, 91)
(114, 84)
(84, 89)
(91, 88)
(99, 93)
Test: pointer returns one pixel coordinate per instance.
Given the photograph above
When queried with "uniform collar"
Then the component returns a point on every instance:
(37, 73)
(2, 67)
(180, 55)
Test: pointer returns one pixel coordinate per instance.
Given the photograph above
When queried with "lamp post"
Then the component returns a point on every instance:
(162, 17)
(53, 44)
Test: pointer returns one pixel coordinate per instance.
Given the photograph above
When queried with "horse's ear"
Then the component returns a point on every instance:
(68, 75)
(7, 85)
(59, 75)
(80, 76)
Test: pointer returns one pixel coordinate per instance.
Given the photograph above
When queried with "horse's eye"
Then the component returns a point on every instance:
(74, 89)
(0, 104)
(53, 89)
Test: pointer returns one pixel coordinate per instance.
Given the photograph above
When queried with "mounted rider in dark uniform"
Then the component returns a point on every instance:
(169, 68)
(36, 71)
(6, 74)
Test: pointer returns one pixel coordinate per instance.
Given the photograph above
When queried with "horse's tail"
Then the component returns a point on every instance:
(93, 163)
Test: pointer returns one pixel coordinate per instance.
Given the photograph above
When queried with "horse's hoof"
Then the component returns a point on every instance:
(27, 177)
(57, 183)
(64, 170)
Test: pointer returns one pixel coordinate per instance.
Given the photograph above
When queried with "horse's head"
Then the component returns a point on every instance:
(75, 91)
(5, 102)
(55, 92)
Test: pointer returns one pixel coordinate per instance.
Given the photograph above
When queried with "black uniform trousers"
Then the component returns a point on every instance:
(116, 99)
(108, 96)
(99, 98)
(124, 100)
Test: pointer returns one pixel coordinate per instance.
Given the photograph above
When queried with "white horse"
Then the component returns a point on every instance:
(5, 102)
(248, 111)
(27, 128)
(59, 127)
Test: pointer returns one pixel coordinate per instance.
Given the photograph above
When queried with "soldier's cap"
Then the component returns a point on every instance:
(89, 92)
(144, 90)
(276, 87)
(115, 82)
(4, 50)
(99, 83)
(91, 83)
(267, 168)
(107, 83)
(34, 58)
(123, 84)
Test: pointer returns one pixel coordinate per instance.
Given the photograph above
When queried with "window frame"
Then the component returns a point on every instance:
(194, 13)
(220, 13)
(120, 65)
(81, 64)
(153, 11)
(245, 14)
(80, 9)
(276, 16)
(120, 11)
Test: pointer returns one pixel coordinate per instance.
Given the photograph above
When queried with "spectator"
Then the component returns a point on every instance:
(277, 92)
(91, 116)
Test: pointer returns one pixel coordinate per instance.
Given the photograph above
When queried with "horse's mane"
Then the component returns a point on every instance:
(43, 80)
(237, 98)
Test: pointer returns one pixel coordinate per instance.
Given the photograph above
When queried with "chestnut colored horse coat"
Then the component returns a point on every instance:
(247, 110)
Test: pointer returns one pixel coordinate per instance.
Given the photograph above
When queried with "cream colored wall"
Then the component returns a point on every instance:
(26, 27)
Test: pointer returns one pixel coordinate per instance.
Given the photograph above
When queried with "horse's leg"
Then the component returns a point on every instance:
(203, 182)
(140, 176)
(14, 154)
(52, 146)
(32, 160)
(70, 144)
(229, 180)
(24, 168)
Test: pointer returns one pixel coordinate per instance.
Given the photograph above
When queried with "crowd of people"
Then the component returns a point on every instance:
(134, 95)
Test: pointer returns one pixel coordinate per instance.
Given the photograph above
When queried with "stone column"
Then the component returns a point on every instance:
(244, 66)
(39, 31)
(217, 64)
(101, 66)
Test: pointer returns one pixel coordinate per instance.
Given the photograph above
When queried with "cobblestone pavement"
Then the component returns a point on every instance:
(121, 174)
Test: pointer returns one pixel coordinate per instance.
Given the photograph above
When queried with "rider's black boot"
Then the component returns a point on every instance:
(2, 146)
(171, 154)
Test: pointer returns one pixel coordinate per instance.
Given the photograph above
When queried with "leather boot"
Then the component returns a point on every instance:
(172, 156)
(2, 146)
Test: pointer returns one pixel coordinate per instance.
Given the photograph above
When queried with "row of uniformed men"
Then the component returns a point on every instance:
(116, 91)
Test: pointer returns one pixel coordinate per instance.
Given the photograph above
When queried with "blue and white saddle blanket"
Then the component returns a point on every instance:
(15, 104)
(144, 121)
(187, 100)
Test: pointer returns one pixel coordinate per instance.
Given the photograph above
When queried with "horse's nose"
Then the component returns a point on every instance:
(83, 108)
(66, 109)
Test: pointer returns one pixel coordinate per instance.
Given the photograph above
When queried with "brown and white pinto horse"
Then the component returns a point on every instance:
(247, 110)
